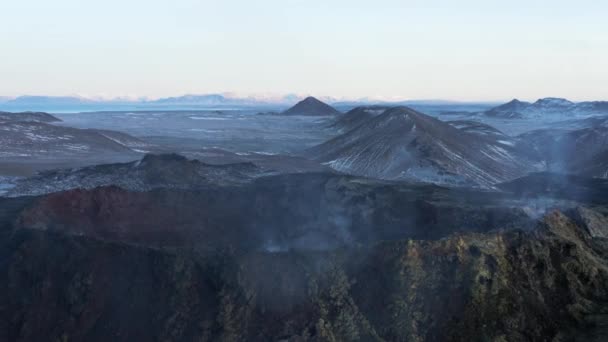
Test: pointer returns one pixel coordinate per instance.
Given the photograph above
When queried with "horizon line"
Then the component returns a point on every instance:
(268, 98)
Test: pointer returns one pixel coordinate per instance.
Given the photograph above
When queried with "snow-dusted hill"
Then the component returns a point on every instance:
(478, 128)
(549, 108)
(404, 144)
(30, 139)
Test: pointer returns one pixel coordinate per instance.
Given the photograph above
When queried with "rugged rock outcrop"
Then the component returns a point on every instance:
(153, 171)
(278, 213)
(543, 284)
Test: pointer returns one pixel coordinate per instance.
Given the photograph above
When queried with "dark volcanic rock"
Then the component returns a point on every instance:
(62, 288)
(153, 171)
(404, 144)
(311, 106)
(300, 257)
(278, 213)
(536, 285)
(581, 151)
(555, 185)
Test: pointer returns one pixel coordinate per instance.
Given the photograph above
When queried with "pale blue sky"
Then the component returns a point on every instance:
(461, 50)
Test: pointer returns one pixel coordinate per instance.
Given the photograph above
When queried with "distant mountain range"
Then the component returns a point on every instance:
(32, 135)
(549, 106)
(511, 110)
(48, 103)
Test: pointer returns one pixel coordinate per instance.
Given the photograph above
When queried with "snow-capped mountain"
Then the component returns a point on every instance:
(404, 144)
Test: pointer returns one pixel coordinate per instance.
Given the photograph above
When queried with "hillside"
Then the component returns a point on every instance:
(404, 144)
(311, 106)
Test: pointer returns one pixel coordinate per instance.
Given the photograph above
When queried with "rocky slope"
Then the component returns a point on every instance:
(543, 284)
(357, 116)
(479, 128)
(311, 106)
(276, 213)
(580, 151)
(31, 139)
(151, 172)
(404, 144)
(546, 185)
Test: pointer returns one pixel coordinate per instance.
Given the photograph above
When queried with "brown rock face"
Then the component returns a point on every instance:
(308, 257)
(548, 283)
(301, 212)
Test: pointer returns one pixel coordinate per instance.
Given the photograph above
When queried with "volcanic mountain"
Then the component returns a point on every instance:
(311, 106)
(357, 116)
(546, 107)
(402, 143)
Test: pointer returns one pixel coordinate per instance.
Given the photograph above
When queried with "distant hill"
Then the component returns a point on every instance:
(28, 117)
(62, 103)
(546, 107)
(311, 106)
(25, 139)
(479, 128)
(402, 143)
(581, 151)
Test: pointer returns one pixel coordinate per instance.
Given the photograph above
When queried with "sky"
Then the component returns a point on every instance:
(468, 50)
